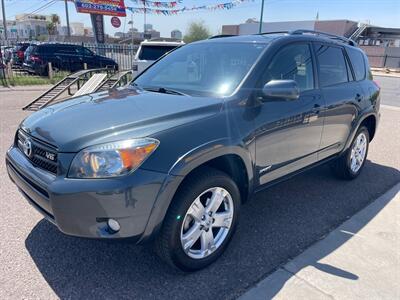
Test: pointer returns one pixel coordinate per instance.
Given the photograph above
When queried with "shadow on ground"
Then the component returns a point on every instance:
(275, 227)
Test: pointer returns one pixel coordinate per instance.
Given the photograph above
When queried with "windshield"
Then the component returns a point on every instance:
(202, 69)
(154, 52)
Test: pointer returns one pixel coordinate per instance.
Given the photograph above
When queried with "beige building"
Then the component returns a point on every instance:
(77, 28)
(339, 27)
(382, 45)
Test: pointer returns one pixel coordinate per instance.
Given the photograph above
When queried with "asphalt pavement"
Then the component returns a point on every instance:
(37, 261)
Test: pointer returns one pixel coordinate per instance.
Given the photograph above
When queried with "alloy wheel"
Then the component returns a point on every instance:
(207, 223)
(358, 152)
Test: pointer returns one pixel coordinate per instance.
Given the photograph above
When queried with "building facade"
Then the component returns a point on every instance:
(382, 45)
(176, 34)
(339, 27)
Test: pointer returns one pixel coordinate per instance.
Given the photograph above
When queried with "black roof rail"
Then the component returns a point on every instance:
(272, 32)
(221, 36)
(328, 35)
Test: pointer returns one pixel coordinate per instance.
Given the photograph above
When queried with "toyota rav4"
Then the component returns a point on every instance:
(172, 157)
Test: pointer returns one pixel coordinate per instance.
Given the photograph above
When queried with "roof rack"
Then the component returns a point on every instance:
(221, 36)
(328, 35)
(306, 31)
(272, 32)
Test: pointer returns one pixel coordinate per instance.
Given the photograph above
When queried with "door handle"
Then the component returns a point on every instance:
(358, 97)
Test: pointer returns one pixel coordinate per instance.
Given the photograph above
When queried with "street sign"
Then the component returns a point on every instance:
(101, 7)
(116, 22)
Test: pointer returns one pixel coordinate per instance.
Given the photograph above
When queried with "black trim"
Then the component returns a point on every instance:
(288, 176)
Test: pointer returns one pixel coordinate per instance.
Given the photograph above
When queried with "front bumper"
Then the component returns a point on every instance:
(81, 207)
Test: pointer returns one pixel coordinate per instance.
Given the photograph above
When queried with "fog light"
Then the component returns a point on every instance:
(113, 225)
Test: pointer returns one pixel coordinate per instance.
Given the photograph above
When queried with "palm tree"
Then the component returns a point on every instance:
(52, 24)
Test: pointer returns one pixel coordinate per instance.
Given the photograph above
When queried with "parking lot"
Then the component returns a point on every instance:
(37, 261)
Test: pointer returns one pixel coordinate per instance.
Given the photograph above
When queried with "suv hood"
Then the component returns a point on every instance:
(114, 115)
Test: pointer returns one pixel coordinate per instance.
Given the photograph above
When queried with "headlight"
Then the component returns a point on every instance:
(111, 159)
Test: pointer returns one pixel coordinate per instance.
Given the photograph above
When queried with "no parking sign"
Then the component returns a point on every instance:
(116, 22)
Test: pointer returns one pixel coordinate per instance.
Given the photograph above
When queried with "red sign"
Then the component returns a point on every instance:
(116, 22)
(101, 7)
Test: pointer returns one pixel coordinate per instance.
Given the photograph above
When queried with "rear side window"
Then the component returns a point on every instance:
(66, 49)
(31, 50)
(292, 62)
(47, 49)
(332, 65)
(357, 61)
(154, 52)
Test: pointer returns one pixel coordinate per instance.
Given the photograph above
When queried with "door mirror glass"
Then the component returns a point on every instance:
(281, 89)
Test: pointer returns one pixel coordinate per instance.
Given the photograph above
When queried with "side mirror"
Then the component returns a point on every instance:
(282, 89)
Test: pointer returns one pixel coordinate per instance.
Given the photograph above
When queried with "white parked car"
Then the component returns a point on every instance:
(151, 50)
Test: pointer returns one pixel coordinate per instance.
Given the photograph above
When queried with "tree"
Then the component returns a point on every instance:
(197, 31)
(52, 25)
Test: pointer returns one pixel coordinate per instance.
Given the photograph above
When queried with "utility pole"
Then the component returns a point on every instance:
(132, 30)
(3, 9)
(144, 25)
(261, 17)
(67, 15)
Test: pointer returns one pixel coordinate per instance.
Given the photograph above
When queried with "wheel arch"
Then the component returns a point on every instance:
(233, 160)
(370, 121)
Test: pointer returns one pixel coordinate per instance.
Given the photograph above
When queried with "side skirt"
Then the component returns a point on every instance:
(289, 176)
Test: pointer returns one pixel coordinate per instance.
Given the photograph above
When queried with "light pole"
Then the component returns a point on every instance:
(261, 17)
(3, 9)
(67, 15)
(132, 29)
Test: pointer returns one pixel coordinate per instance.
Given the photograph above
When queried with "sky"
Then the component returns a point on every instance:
(385, 13)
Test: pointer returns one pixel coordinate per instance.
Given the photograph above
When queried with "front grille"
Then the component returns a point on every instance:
(41, 155)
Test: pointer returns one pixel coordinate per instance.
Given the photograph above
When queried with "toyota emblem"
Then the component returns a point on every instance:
(27, 147)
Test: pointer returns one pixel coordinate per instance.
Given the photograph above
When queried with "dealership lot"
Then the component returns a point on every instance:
(37, 261)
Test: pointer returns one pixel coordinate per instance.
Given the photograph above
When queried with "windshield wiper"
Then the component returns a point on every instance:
(164, 91)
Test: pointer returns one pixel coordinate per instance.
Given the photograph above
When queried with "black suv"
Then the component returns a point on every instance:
(174, 155)
(66, 57)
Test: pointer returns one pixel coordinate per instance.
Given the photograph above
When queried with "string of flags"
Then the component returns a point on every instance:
(173, 4)
(148, 3)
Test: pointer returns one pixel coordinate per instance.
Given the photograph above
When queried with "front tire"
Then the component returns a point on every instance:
(201, 220)
(350, 164)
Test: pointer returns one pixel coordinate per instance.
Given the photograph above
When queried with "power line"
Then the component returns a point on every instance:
(47, 5)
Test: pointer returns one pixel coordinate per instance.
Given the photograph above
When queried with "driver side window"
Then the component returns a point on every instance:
(292, 62)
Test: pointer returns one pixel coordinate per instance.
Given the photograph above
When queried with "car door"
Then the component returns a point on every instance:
(68, 57)
(288, 132)
(342, 96)
(89, 58)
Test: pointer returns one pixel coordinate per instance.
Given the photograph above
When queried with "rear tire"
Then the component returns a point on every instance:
(349, 165)
(191, 237)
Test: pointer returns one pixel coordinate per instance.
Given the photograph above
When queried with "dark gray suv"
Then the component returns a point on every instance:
(172, 157)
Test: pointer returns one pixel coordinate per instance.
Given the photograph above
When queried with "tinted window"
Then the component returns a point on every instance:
(47, 49)
(154, 52)
(31, 50)
(357, 60)
(65, 49)
(292, 62)
(332, 65)
(203, 69)
(87, 52)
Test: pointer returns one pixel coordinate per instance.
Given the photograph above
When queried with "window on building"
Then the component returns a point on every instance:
(357, 61)
(332, 65)
(292, 62)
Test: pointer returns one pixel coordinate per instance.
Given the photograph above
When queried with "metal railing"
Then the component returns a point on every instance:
(12, 71)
